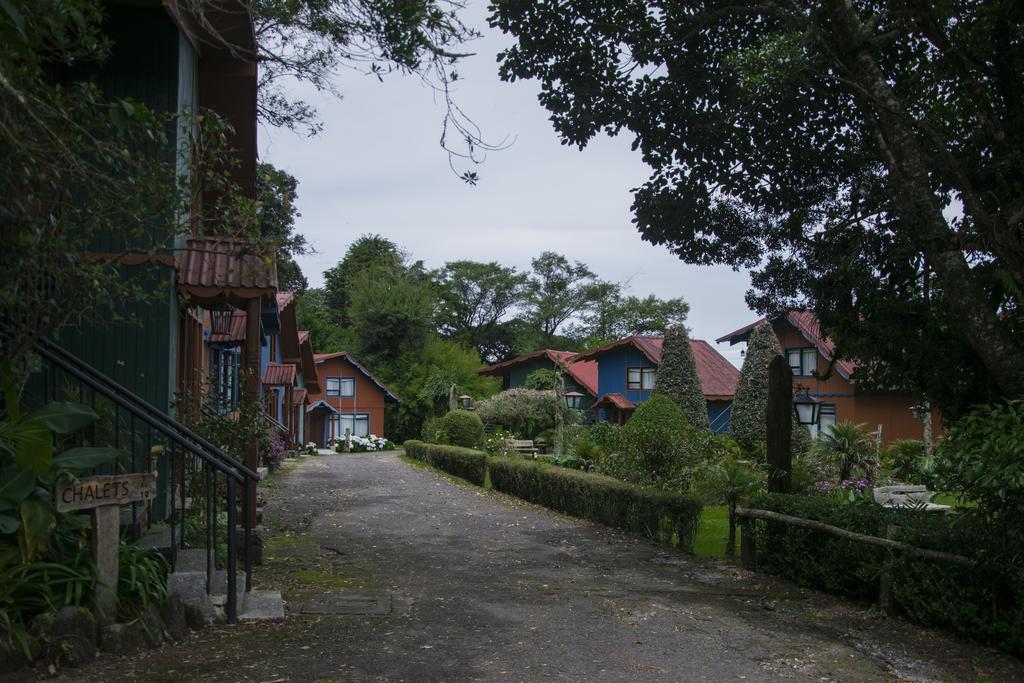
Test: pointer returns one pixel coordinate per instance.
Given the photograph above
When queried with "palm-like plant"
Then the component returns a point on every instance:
(847, 446)
(729, 480)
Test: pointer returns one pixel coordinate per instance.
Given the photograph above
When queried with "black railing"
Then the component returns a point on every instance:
(196, 469)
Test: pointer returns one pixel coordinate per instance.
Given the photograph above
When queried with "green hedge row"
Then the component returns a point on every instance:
(462, 462)
(985, 602)
(667, 517)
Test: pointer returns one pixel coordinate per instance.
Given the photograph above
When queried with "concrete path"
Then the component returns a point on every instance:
(394, 572)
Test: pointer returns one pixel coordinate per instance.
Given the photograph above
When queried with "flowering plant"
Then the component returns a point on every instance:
(310, 448)
(363, 444)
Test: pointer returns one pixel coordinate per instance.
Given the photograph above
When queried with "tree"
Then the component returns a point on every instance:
(677, 377)
(366, 252)
(276, 191)
(312, 40)
(616, 316)
(729, 479)
(557, 290)
(391, 313)
(473, 299)
(847, 446)
(862, 158)
(315, 315)
(543, 379)
(750, 403)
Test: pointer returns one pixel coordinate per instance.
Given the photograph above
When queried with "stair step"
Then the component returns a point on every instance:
(262, 606)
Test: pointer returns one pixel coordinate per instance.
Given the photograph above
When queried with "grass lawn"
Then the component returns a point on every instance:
(713, 532)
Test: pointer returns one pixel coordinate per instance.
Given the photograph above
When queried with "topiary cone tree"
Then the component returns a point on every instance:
(677, 377)
(750, 404)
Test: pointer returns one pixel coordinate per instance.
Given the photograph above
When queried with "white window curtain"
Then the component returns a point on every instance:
(358, 423)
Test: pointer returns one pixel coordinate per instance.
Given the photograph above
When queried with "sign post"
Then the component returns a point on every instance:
(103, 495)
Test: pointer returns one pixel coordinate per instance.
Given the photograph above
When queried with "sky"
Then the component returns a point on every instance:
(377, 168)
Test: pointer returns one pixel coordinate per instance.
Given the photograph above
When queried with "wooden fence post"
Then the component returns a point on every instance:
(748, 544)
(892, 532)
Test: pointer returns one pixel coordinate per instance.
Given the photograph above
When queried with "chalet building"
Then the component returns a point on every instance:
(579, 377)
(810, 353)
(627, 369)
(348, 396)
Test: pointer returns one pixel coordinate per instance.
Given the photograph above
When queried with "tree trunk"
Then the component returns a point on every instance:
(915, 201)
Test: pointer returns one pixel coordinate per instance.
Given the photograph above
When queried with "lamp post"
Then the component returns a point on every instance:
(559, 421)
(573, 400)
(807, 407)
(466, 402)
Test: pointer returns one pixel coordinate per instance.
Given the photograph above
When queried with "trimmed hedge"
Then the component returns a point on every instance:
(462, 462)
(985, 602)
(667, 517)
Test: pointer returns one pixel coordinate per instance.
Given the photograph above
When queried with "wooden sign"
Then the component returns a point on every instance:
(103, 494)
(110, 489)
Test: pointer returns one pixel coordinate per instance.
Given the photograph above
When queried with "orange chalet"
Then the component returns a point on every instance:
(350, 398)
(810, 353)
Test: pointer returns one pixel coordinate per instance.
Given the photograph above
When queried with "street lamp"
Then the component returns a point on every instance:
(466, 402)
(806, 407)
(918, 411)
(573, 399)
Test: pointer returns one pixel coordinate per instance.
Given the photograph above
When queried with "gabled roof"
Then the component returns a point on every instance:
(279, 375)
(806, 323)
(615, 400)
(718, 377)
(300, 396)
(585, 373)
(309, 376)
(388, 394)
(230, 325)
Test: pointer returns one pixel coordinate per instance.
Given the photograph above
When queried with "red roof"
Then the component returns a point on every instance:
(807, 325)
(303, 336)
(284, 298)
(321, 357)
(718, 377)
(223, 265)
(227, 326)
(585, 373)
(279, 375)
(616, 400)
(300, 396)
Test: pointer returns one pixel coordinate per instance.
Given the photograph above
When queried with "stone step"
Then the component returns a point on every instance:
(262, 606)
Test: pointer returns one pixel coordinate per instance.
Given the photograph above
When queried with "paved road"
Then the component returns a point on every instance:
(444, 581)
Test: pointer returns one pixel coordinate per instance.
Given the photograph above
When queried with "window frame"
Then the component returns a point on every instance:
(645, 371)
(339, 420)
(342, 383)
(802, 354)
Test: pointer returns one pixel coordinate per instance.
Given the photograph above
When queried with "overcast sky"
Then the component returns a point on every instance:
(377, 168)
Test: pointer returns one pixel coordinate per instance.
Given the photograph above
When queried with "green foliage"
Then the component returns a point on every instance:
(906, 461)
(462, 462)
(617, 316)
(985, 602)
(276, 192)
(499, 442)
(657, 447)
(677, 377)
(557, 290)
(526, 412)
(728, 480)
(322, 321)
(760, 158)
(849, 448)
(141, 579)
(667, 517)
(542, 379)
(461, 428)
(750, 405)
(983, 456)
(368, 251)
(473, 300)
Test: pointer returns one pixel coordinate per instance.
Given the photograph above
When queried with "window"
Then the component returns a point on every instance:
(224, 364)
(359, 424)
(826, 419)
(803, 362)
(344, 387)
(640, 379)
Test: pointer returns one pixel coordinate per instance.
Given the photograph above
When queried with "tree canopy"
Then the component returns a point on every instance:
(678, 380)
(863, 159)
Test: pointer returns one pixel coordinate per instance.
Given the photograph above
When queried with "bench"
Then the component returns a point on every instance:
(915, 496)
(524, 446)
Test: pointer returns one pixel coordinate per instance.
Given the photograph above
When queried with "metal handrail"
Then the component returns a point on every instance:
(270, 418)
(143, 410)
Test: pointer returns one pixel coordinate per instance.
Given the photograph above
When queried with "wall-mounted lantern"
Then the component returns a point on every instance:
(806, 406)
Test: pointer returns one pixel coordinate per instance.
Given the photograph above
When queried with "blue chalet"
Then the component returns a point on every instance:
(626, 370)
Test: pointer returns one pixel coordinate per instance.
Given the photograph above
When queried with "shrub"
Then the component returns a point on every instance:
(464, 463)
(541, 379)
(604, 435)
(525, 411)
(728, 480)
(499, 442)
(985, 602)
(849, 448)
(461, 428)
(677, 378)
(657, 447)
(431, 430)
(907, 461)
(668, 517)
(749, 406)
